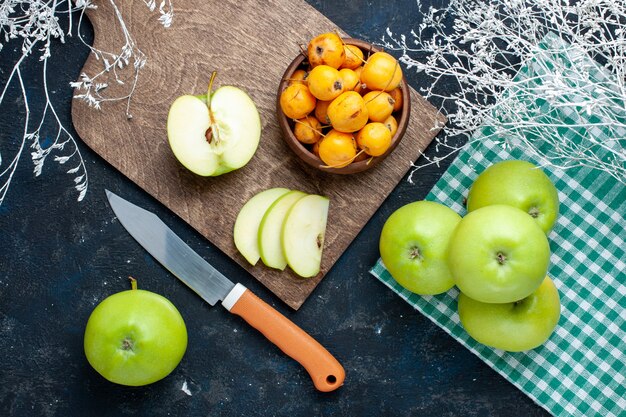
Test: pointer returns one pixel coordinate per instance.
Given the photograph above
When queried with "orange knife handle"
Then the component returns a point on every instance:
(325, 371)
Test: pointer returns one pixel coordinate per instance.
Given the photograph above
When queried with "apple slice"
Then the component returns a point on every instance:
(270, 247)
(303, 233)
(215, 133)
(249, 219)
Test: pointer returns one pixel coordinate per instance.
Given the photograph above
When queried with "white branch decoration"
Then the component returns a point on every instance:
(36, 23)
(475, 49)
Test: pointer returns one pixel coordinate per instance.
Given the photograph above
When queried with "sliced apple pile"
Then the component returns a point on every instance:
(283, 227)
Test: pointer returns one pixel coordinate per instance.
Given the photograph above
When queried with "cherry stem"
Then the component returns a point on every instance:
(303, 80)
(345, 163)
(348, 49)
(303, 51)
(378, 94)
(309, 126)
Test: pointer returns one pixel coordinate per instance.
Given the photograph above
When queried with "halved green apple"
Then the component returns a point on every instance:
(249, 219)
(214, 133)
(269, 236)
(302, 234)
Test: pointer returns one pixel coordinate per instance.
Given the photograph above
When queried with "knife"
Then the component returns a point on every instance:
(206, 281)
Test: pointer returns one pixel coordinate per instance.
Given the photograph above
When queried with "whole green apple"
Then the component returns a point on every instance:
(520, 184)
(413, 245)
(514, 327)
(498, 254)
(135, 337)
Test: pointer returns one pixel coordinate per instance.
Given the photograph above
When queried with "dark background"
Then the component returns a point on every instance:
(59, 258)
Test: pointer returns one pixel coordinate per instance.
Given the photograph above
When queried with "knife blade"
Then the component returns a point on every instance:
(212, 286)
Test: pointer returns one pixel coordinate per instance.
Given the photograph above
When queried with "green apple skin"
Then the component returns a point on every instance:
(246, 229)
(270, 230)
(235, 125)
(302, 234)
(520, 184)
(413, 246)
(514, 327)
(498, 254)
(135, 338)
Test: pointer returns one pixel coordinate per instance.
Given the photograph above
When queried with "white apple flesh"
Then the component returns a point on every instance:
(302, 235)
(248, 220)
(215, 136)
(270, 230)
(514, 327)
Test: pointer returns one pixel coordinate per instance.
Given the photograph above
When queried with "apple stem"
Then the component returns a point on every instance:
(133, 283)
(213, 131)
(395, 68)
(210, 89)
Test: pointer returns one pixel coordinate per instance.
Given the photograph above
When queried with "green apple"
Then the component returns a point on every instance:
(248, 220)
(413, 246)
(215, 133)
(135, 337)
(498, 254)
(520, 184)
(516, 326)
(270, 230)
(302, 234)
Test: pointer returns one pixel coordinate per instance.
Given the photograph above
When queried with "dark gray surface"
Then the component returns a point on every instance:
(59, 258)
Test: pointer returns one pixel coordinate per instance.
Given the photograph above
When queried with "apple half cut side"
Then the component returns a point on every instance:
(215, 134)
(302, 234)
(516, 326)
(248, 220)
(269, 236)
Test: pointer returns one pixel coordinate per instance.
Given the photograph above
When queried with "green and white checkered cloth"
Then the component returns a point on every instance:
(580, 370)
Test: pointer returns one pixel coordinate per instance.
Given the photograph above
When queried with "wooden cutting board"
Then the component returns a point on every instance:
(250, 44)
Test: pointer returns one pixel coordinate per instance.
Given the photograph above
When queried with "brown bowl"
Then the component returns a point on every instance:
(304, 153)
